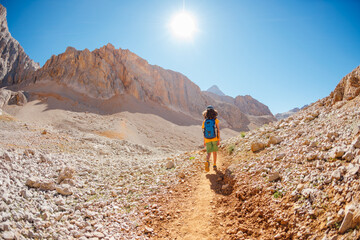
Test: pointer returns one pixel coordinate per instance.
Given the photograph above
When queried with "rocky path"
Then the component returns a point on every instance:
(192, 207)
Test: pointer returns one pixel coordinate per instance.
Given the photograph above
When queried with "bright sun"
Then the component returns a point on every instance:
(183, 25)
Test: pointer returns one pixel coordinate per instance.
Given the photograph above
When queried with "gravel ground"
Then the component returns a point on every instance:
(64, 183)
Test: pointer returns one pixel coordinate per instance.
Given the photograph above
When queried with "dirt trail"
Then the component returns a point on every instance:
(195, 215)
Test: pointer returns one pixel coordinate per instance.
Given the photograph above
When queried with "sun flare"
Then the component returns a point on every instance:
(183, 25)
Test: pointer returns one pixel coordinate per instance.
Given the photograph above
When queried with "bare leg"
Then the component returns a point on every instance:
(214, 157)
(208, 156)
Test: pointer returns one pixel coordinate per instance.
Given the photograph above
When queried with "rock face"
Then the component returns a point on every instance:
(251, 106)
(246, 104)
(108, 72)
(216, 90)
(14, 63)
(7, 96)
(348, 88)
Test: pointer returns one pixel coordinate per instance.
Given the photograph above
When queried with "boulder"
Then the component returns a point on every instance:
(336, 174)
(273, 140)
(274, 176)
(338, 152)
(65, 173)
(8, 235)
(353, 169)
(43, 184)
(352, 217)
(20, 98)
(257, 146)
(5, 96)
(64, 190)
(170, 164)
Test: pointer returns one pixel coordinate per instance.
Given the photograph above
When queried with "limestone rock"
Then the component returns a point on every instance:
(348, 88)
(64, 190)
(353, 169)
(44, 184)
(356, 143)
(273, 140)
(336, 174)
(348, 156)
(257, 146)
(274, 177)
(339, 152)
(20, 98)
(8, 235)
(5, 96)
(65, 173)
(352, 217)
(170, 164)
(15, 65)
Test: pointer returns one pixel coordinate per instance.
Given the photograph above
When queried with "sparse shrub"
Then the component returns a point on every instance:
(242, 134)
(231, 149)
(277, 194)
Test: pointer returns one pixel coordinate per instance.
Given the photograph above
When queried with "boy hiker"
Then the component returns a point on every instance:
(210, 127)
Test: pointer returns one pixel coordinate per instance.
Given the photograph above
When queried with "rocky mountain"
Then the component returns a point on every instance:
(348, 88)
(246, 104)
(107, 72)
(287, 114)
(215, 89)
(301, 174)
(14, 63)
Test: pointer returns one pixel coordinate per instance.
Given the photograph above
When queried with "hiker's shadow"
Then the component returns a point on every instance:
(217, 183)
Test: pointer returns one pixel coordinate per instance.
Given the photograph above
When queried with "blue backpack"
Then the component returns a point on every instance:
(209, 128)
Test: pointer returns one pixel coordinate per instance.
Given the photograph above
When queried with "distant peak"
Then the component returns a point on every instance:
(215, 89)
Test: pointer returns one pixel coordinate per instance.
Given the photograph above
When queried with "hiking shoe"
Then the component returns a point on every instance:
(207, 166)
(214, 167)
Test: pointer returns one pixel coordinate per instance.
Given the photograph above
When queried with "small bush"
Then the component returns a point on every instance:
(242, 134)
(231, 149)
(277, 194)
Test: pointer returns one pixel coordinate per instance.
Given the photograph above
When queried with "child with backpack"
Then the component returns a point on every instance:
(210, 127)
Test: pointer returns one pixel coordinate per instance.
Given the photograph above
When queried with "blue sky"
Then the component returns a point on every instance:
(285, 53)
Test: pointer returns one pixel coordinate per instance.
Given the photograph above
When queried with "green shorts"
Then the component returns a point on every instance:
(212, 147)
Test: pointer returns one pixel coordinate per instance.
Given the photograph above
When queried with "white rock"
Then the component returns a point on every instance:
(64, 190)
(170, 164)
(279, 156)
(353, 169)
(274, 176)
(8, 235)
(336, 174)
(338, 152)
(65, 173)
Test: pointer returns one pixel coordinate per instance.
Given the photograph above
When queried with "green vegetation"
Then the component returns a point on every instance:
(191, 158)
(231, 149)
(277, 194)
(242, 134)
(337, 225)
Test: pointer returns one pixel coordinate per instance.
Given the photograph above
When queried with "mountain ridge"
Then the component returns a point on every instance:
(15, 64)
(107, 72)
